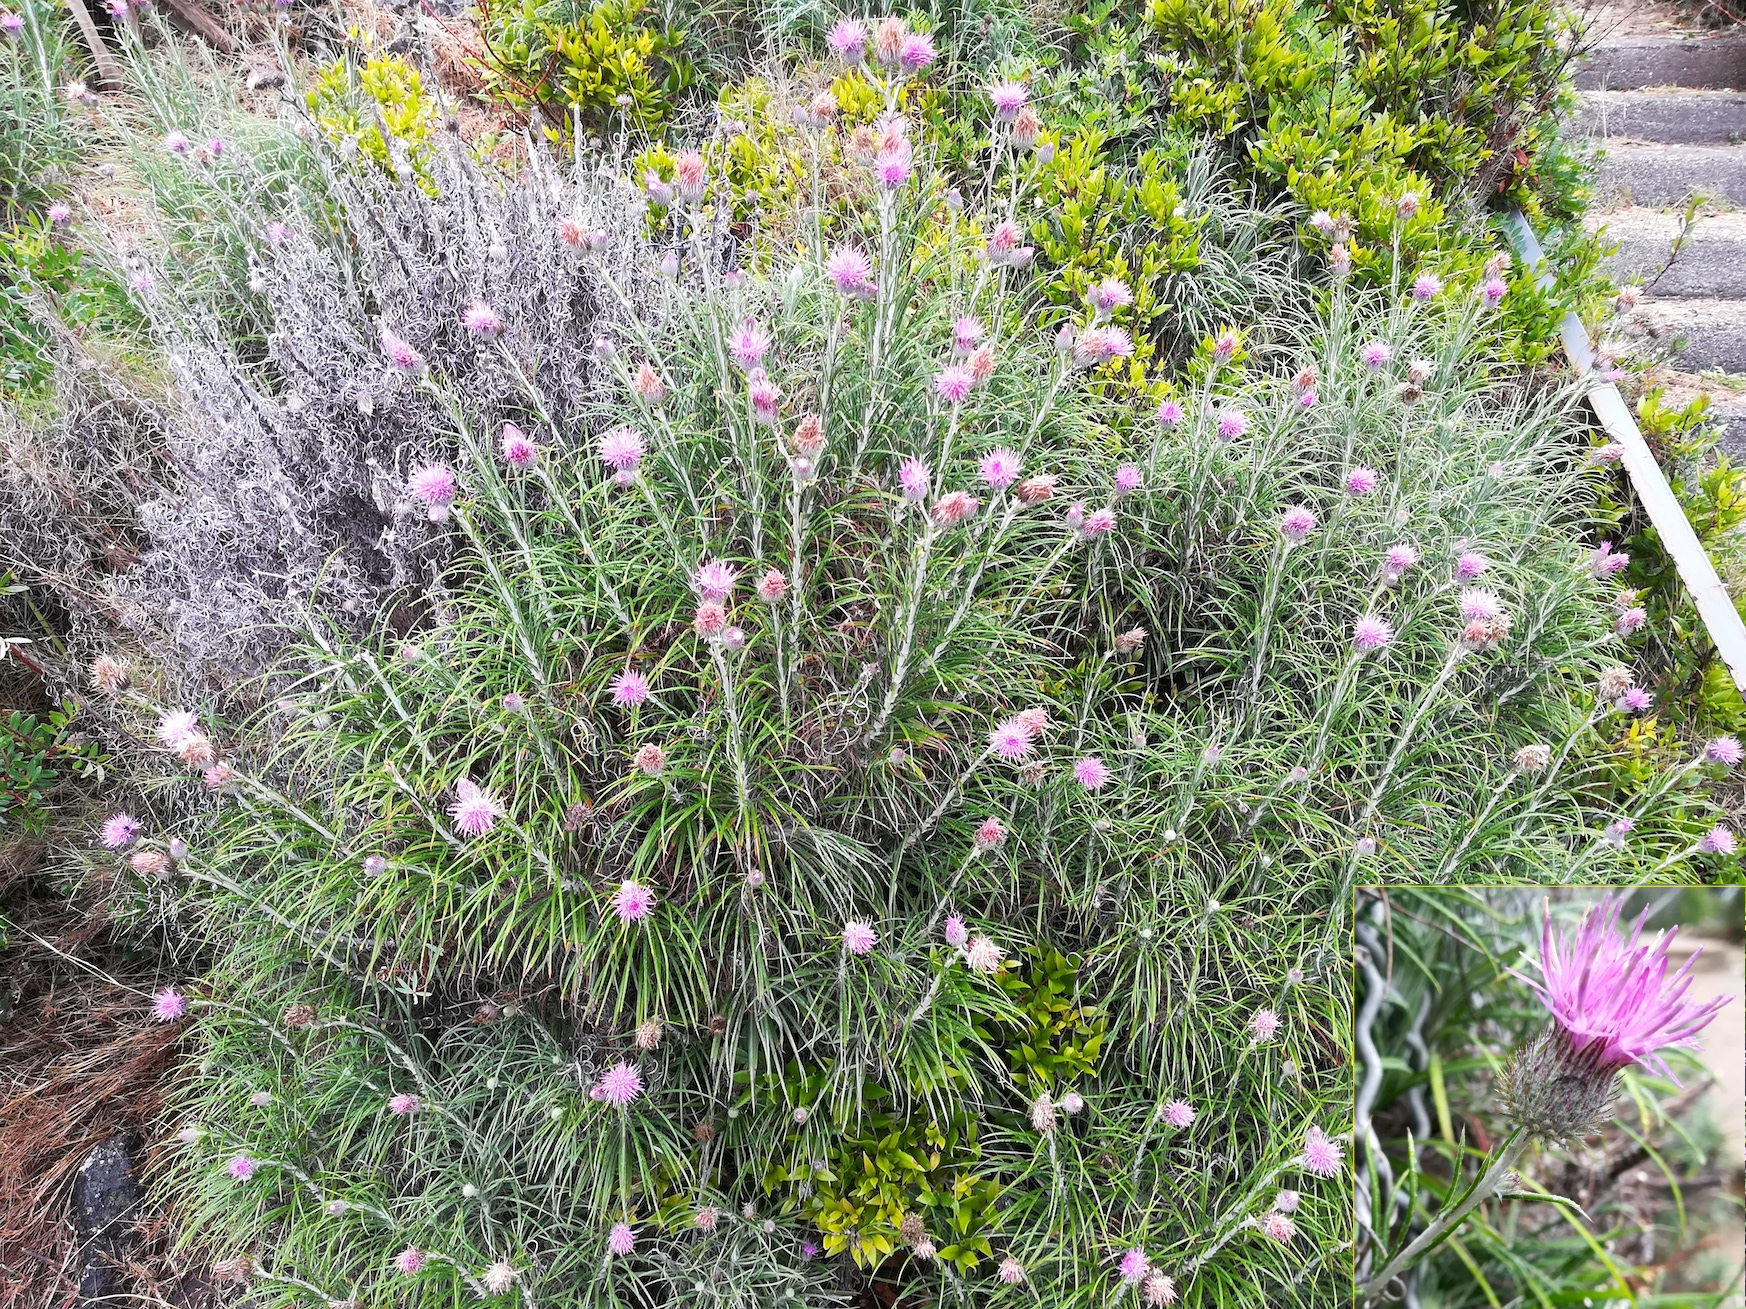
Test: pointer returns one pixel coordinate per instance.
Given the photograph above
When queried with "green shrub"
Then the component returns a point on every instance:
(381, 106)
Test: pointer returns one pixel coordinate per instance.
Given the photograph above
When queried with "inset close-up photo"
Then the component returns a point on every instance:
(1549, 1096)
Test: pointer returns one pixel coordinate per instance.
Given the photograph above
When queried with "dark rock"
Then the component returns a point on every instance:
(104, 1197)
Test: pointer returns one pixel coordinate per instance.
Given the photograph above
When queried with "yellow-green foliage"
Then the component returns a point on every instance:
(386, 92)
(612, 61)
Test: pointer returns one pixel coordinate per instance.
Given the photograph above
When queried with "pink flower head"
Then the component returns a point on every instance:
(1321, 1153)
(633, 902)
(714, 579)
(60, 213)
(1134, 1266)
(120, 830)
(1003, 240)
(1012, 1272)
(474, 811)
(1008, 98)
(1470, 565)
(848, 39)
(1178, 1113)
(892, 168)
(517, 449)
(955, 507)
(849, 270)
(918, 51)
(1478, 606)
(1307, 399)
(1013, 738)
(409, 1261)
(1091, 773)
(956, 932)
(912, 478)
(1224, 347)
(1287, 1201)
(11, 24)
(749, 345)
(1398, 558)
(762, 393)
(1099, 345)
(1426, 286)
(953, 384)
(1232, 424)
(772, 586)
(1099, 522)
(402, 358)
(1604, 562)
(432, 486)
(710, 620)
(1718, 840)
(1375, 354)
(967, 333)
(656, 188)
(1631, 621)
(630, 689)
(622, 449)
(404, 1104)
(498, 1277)
(621, 1240)
(1296, 523)
(1264, 1024)
(1617, 830)
(1278, 1226)
(1110, 294)
(1611, 998)
(1127, 480)
(1724, 750)
(648, 385)
(1361, 481)
(482, 321)
(1000, 468)
(1370, 634)
(859, 938)
(1494, 290)
(688, 176)
(168, 1005)
(990, 835)
(649, 760)
(1169, 413)
(176, 143)
(619, 1085)
(1636, 700)
(1158, 1289)
(241, 1168)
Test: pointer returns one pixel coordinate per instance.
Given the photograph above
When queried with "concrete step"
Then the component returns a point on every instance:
(1711, 264)
(1727, 409)
(1679, 117)
(1656, 175)
(1714, 61)
(1714, 331)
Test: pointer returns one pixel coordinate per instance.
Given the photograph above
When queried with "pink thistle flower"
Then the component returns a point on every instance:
(649, 760)
(892, 169)
(763, 395)
(656, 188)
(953, 384)
(1479, 606)
(630, 689)
(621, 1240)
(11, 24)
(1036, 490)
(1617, 830)
(619, 1085)
(498, 1277)
(633, 902)
(749, 345)
(1099, 345)
(475, 812)
(918, 51)
(1398, 558)
(956, 933)
(1013, 738)
(859, 938)
(402, 358)
(1321, 1153)
(622, 449)
(1375, 354)
(1003, 240)
(60, 213)
(1287, 1201)
(1091, 773)
(1232, 424)
(1631, 621)
(1296, 523)
(1178, 1113)
(990, 835)
(912, 478)
(1361, 481)
(710, 620)
(1000, 468)
(241, 1168)
(688, 176)
(1008, 99)
(648, 384)
(1636, 700)
(434, 487)
(176, 143)
(1724, 750)
(1307, 399)
(734, 638)
(176, 726)
(482, 321)
(1470, 565)
(1110, 294)
(1604, 562)
(849, 270)
(1278, 1226)
(955, 507)
(404, 1105)
(277, 233)
(848, 39)
(1264, 1024)
(1224, 347)
(1012, 1272)
(888, 39)
(967, 333)
(1158, 1290)
(1426, 286)
(409, 1261)
(1493, 291)
(1131, 640)
(517, 449)
(1075, 516)
(120, 830)
(217, 777)
(1718, 840)
(1127, 480)
(143, 282)
(1169, 413)
(1370, 634)
(1134, 1265)
(984, 956)
(772, 586)
(1610, 997)
(1099, 522)
(715, 579)
(168, 1005)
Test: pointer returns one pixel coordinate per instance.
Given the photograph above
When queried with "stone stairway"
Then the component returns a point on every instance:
(1668, 103)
